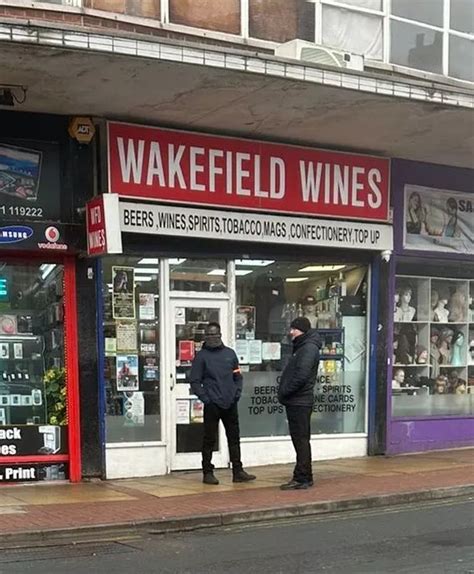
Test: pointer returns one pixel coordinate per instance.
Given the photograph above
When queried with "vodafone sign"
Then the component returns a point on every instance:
(182, 167)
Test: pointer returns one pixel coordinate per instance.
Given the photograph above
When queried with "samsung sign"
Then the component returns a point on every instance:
(15, 233)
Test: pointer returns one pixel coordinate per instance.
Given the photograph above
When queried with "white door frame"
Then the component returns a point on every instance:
(168, 299)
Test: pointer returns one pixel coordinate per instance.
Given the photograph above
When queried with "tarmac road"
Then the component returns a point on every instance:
(433, 537)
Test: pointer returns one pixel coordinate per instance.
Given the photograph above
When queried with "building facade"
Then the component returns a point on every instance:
(431, 403)
(40, 238)
(240, 170)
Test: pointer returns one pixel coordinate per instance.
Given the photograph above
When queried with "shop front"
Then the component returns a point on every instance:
(200, 228)
(39, 414)
(431, 397)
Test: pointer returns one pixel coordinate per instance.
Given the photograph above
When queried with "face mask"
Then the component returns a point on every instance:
(213, 341)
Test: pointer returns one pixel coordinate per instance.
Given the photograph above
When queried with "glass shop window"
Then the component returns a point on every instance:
(433, 347)
(270, 294)
(202, 275)
(131, 347)
(33, 398)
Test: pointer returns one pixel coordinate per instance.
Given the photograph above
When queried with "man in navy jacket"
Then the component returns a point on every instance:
(217, 381)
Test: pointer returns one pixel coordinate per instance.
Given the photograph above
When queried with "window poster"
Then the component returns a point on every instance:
(151, 371)
(123, 292)
(126, 336)
(180, 316)
(245, 322)
(134, 408)
(183, 411)
(127, 373)
(271, 351)
(186, 351)
(110, 346)
(242, 351)
(255, 352)
(146, 308)
(438, 220)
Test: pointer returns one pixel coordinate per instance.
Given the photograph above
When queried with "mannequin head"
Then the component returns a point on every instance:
(461, 388)
(421, 355)
(405, 295)
(309, 305)
(440, 385)
(434, 337)
(404, 353)
(471, 351)
(457, 306)
(446, 337)
(399, 377)
(434, 298)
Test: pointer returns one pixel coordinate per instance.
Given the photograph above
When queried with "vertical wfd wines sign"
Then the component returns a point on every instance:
(183, 167)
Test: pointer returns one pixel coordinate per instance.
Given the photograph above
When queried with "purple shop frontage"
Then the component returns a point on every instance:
(430, 398)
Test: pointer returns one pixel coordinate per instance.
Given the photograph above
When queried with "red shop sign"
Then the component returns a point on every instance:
(102, 222)
(189, 168)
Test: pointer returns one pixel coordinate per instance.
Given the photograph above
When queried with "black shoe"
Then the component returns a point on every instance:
(242, 476)
(209, 478)
(296, 485)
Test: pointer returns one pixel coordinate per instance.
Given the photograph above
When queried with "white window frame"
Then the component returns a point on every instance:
(388, 17)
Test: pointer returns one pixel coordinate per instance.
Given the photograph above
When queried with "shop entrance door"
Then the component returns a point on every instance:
(189, 318)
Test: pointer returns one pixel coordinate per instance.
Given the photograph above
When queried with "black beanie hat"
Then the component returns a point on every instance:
(301, 323)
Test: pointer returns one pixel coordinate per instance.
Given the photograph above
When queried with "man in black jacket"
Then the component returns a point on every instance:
(216, 379)
(296, 392)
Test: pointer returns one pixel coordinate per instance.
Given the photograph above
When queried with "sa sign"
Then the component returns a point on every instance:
(82, 129)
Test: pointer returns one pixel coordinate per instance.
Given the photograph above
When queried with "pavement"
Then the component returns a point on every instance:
(32, 512)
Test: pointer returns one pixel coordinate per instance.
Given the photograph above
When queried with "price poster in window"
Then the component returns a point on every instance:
(123, 292)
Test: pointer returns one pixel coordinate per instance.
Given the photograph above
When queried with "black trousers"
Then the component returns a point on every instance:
(230, 419)
(299, 423)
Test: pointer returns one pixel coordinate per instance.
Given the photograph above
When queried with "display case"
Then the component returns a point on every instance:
(433, 338)
(22, 392)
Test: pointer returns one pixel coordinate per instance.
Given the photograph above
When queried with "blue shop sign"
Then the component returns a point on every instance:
(15, 233)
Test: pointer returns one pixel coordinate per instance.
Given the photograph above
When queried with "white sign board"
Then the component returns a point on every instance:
(253, 227)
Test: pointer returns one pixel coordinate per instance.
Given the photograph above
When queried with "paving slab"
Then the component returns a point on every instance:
(181, 502)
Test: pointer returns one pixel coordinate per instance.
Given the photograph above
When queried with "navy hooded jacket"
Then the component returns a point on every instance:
(215, 376)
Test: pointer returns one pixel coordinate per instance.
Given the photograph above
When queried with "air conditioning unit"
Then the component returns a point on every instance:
(309, 52)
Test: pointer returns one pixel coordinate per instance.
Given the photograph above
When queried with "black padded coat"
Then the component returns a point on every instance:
(297, 380)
